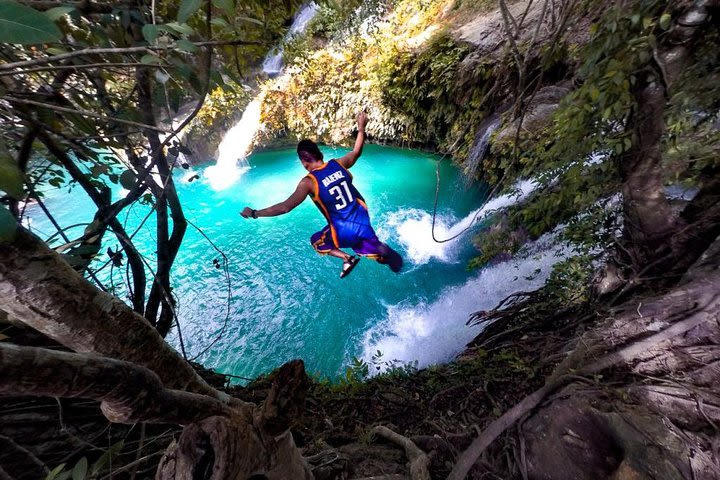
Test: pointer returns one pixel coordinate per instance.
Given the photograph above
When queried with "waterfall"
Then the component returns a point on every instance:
(234, 149)
(432, 332)
(273, 63)
(413, 227)
(237, 142)
(480, 145)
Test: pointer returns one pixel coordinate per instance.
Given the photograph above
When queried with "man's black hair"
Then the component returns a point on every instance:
(310, 147)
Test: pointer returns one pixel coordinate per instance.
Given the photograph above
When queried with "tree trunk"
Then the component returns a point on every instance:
(648, 220)
(129, 393)
(38, 288)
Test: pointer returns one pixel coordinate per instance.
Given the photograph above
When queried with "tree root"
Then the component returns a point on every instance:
(419, 462)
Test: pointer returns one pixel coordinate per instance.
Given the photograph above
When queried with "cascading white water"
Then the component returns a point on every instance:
(413, 227)
(273, 63)
(431, 333)
(480, 146)
(435, 332)
(234, 149)
(237, 142)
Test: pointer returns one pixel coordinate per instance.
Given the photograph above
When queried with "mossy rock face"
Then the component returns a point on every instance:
(538, 116)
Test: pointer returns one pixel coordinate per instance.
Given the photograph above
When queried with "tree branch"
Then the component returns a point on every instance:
(129, 393)
(81, 112)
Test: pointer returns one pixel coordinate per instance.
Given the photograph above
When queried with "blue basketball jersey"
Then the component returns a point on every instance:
(341, 204)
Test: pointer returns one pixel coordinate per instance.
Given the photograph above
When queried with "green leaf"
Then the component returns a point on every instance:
(150, 32)
(186, 46)
(182, 28)
(187, 8)
(220, 22)
(665, 20)
(128, 179)
(227, 6)
(250, 19)
(150, 59)
(54, 472)
(111, 452)
(8, 230)
(58, 12)
(80, 470)
(24, 25)
(11, 178)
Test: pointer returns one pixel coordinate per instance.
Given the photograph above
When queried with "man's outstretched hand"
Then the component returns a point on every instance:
(362, 120)
(247, 212)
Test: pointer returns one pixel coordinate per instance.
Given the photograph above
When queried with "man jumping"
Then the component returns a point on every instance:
(330, 185)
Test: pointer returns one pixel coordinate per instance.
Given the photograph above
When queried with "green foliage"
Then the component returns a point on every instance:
(356, 372)
(500, 240)
(424, 86)
(570, 283)
(24, 25)
(187, 8)
(82, 470)
(404, 71)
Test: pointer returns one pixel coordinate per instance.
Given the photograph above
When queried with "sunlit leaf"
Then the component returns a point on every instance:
(24, 25)
(187, 8)
(250, 19)
(54, 472)
(665, 20)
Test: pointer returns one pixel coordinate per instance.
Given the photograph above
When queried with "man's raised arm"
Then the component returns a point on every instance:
(349, 159)
(303, 190)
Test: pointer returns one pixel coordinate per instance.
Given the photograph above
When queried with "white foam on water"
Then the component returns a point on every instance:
(234, 149)
(413, 228)
(432, 333)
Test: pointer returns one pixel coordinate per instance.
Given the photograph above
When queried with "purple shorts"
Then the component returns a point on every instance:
(322, 242)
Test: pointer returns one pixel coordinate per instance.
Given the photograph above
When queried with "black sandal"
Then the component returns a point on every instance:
(348, 266)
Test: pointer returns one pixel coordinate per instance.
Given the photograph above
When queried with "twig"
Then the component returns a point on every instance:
(115, 50)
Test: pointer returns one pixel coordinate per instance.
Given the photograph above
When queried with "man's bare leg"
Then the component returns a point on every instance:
(339, 254)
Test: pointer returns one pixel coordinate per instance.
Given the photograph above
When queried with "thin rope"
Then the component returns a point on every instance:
(229, 288)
